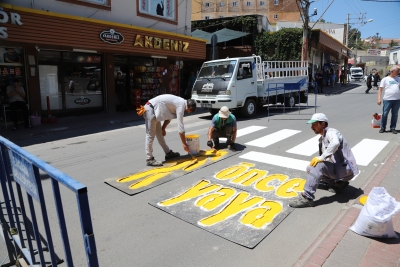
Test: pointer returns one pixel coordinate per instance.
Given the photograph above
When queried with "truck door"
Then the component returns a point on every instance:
(245, 81)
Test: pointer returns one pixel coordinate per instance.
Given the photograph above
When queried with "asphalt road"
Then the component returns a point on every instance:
(130, 232)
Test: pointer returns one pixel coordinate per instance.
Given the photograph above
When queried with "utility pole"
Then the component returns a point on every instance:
(347, 29)
(304, 5)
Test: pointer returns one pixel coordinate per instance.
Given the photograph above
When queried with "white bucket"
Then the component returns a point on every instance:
(193, 141)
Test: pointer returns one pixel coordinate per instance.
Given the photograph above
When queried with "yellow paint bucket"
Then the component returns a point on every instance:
(193, 141)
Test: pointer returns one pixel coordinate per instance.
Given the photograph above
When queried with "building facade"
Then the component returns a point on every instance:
(67, 58)
(274, 10)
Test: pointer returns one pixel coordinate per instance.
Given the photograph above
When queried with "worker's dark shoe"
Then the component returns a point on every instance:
(301, 202)
(171, 155)
(393, 131)
(382, 130)
(153, 162)
(232, 147)
(338, 187)
(216, 142)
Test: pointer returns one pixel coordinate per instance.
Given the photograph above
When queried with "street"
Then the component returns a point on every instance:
(130, 232)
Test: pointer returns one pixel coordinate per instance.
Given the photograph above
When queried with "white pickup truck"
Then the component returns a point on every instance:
(246, 83)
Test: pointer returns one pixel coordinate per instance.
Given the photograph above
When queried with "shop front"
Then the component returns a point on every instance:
(70, 65)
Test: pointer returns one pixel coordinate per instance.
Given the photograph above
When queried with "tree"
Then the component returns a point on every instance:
(353, 37)
(285, 44)
(393, 43)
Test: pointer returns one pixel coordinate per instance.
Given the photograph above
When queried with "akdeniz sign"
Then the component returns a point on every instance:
(111, 37)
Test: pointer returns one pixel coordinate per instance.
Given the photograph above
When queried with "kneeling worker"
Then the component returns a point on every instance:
(335, 166)
(223, 124)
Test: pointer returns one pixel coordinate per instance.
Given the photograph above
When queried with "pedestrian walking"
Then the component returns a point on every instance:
(390, 86)
(335, 166)
(164, 108)
(223, 124)
(369, 83)
(377, 79)
(319, 80)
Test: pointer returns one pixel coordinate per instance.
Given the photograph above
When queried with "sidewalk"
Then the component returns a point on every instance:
(339, 246)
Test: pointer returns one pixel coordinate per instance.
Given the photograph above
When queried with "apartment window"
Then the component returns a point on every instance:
(165, 9)
(394, 56)
(276, 2)
(207, 4)
(275, 16)
(207, 17)
(234, 3)
(221, 3)
(262, 3)
(221, 16)
(248, 4)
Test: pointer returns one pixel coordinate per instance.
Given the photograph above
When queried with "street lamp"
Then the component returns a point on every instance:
(362, 24)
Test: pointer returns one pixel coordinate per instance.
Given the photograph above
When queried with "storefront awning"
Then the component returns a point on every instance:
(223, 35)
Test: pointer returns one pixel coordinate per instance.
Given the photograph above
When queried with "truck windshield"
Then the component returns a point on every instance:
(220, 69)
(356, 71)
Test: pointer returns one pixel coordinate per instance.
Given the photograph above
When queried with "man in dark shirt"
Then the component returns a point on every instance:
(121, 91)
(223, 124)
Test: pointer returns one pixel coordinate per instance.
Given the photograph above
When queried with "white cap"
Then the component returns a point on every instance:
(119, 72)
(224, 112)
(318, 117)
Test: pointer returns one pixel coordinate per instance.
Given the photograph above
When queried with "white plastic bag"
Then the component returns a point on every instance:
(376, 120)
(375, 218)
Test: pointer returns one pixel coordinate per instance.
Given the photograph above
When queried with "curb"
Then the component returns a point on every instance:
(318, 252)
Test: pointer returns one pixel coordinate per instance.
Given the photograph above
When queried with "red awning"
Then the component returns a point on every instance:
(351, 61)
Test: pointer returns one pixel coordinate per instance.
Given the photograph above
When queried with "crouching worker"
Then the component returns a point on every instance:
(334, 167)
(164, 108)
(223, 124)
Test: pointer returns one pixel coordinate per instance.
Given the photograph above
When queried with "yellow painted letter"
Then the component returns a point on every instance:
(290, 188)
(263, 186)
(203, 187)
(214, 200)
(238, 204)
(249, 177)
(263, 215)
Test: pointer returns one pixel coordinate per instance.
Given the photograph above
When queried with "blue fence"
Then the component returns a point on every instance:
(21, 185)
(296, 93)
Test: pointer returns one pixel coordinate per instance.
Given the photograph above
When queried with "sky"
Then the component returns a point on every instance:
(385, 15)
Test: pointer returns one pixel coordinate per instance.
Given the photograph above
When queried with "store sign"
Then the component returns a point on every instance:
(111, 37)
(374, 52)
(161, 43)
(370, 63)
(82, 101)
(11, 18)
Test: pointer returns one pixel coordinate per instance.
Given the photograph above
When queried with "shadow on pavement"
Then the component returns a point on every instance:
(349, 193)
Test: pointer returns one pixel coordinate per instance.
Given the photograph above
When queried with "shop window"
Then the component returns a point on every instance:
(11, 67)
(100, 4)
(166, 10)
(49, 56)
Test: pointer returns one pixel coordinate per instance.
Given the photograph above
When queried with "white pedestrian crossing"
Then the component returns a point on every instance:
(306, 148)
(367, 150)
(245, 131)
(272, 138)
(276, 160)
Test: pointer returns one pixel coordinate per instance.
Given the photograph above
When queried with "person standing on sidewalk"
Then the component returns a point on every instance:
(335, 166)
(164, 108)
(319, 80)
(391, 99)
(120, 89)
(16, 96)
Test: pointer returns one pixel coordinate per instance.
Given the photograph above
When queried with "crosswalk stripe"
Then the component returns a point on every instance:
(366, 150)
(306, 148)
(276, 160)
(272, 138)
(245, 131)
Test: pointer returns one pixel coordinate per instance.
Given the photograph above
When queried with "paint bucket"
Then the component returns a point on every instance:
(193, 141)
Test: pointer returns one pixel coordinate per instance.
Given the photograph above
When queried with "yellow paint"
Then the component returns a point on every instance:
(203, 187)
(192, 136)
(148, 180)
(213, 200)
(263, 215)
(154, 174)
(234, 171)
(363, 199)
(238, 204)
(291, 188)
(263, 186)
(249, 177)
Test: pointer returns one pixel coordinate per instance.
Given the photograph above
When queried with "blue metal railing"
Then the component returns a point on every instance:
(19, 171)
(283, 89)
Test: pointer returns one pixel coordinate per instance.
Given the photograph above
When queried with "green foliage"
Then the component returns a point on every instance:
(281, 45)
(393, 43)
(247, 23)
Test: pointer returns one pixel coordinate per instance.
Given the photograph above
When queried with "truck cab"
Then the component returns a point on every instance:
(356, 74)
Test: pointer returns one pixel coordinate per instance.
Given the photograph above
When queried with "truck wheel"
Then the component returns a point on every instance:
(213, 111)
(249, 108)
(291, 101)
